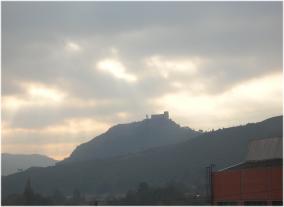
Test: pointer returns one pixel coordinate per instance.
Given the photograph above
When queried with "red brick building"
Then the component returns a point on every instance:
(257, 181)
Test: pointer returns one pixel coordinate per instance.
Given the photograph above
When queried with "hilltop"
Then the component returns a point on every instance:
(125, 139)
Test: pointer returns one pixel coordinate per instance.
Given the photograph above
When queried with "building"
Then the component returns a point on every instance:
(165, 115)
(257, 181)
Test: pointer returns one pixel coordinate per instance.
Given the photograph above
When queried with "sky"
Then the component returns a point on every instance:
(71, 70)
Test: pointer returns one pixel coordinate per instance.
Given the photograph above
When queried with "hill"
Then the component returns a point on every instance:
(12, 163)
(124, 139)
(183, 162)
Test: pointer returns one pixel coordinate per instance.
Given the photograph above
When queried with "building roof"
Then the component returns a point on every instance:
(265, 149)
(255, 164)
(262, 153)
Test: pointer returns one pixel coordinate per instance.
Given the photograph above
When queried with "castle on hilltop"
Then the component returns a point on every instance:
(165, 115)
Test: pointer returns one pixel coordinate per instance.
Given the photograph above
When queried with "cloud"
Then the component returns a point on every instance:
(114, 62)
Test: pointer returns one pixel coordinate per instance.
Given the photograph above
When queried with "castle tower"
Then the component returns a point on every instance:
(166, 114)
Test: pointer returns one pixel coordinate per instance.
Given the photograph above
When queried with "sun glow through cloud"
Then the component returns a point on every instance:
(235, 102)
(116, 69)
(167, 66)
(78, 130)
(72, 46)
(36, 95)
(45, 93)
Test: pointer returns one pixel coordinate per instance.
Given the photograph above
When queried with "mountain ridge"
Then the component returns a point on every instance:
(183, 162)
(12, 163)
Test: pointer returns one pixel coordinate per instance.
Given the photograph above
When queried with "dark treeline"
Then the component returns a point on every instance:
(170, 194)
(31, 198)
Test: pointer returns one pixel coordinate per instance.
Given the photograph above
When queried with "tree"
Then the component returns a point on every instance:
(58, 197)
(77, 197)
(28, 195)
(143, 188)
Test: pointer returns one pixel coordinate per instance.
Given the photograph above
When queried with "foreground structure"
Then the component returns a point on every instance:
(257, 181)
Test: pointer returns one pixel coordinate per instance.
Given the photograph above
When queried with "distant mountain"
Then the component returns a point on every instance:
(12, 163)
(125, 139)
(182, 162)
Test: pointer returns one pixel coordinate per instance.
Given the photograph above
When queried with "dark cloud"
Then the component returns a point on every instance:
(33, 33)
